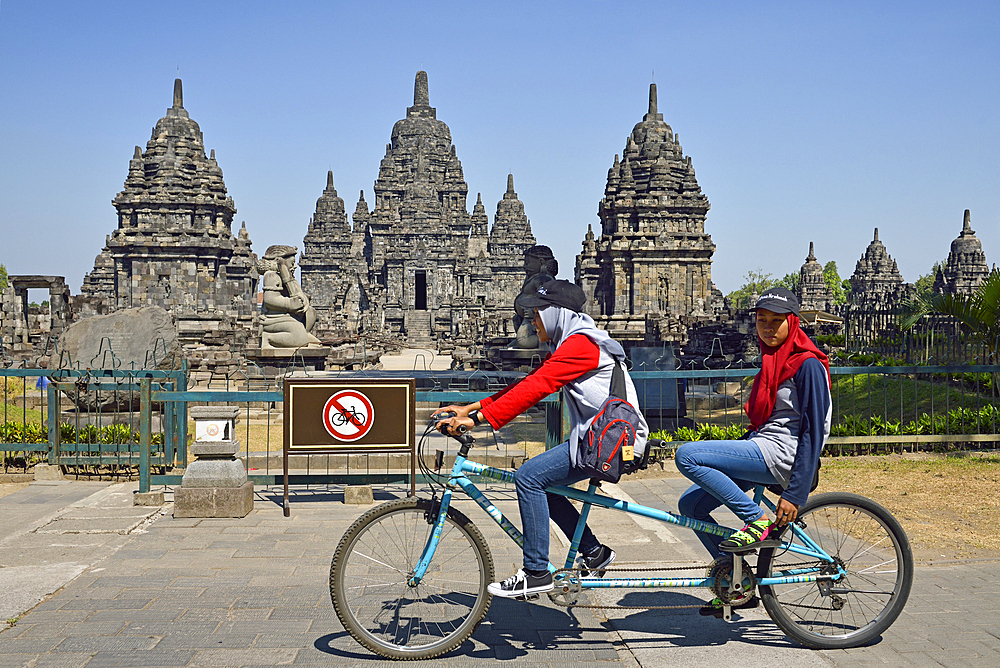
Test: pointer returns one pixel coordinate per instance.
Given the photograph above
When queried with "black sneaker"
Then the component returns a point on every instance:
(522, 585)
(600, 559)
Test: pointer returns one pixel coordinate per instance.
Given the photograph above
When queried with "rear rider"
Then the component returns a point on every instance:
(789, 411)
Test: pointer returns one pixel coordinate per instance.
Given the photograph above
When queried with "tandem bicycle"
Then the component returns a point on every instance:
(408, 579)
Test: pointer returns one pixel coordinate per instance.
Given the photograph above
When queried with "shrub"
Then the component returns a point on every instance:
(685, 434)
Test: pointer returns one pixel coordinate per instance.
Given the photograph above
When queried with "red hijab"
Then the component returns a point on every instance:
(778, 365)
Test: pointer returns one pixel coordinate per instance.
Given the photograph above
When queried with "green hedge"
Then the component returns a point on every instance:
(33, 432)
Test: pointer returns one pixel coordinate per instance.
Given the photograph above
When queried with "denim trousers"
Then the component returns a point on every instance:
(552, 467)
(722, 472)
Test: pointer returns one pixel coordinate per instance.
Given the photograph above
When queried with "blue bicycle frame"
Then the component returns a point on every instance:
(459, 480)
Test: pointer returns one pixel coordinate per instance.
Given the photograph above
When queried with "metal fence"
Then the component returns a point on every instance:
(145, 432)
(875, 334)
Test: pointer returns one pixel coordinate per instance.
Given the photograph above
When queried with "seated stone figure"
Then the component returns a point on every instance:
(541, 266)
(286, 316)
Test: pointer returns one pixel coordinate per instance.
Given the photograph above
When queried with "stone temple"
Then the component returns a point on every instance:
(652, 263)
(417, 264)
(174, 246)
(876, 282)
(814, 295)
(966, 266)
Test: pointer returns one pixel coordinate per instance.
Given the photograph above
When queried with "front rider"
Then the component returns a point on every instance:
(581, 362)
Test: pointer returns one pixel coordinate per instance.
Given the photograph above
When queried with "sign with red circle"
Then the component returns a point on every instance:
(348, 415)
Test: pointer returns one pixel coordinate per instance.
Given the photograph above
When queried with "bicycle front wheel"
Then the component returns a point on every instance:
(374, 562)
(869, 544)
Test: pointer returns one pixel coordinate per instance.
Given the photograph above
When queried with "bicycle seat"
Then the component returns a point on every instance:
(777, 490)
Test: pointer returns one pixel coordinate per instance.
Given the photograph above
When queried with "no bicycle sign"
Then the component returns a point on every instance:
(344, 415)
(348, 415)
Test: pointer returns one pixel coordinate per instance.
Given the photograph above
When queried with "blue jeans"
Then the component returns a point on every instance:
(723, 471)
(552, 467)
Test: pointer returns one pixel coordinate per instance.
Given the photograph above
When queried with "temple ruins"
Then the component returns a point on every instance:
(876, 282)
(651, 266)
(966, 266)
(417, 265)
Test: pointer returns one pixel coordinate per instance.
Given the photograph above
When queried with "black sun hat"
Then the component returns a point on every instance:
(778, 300)
(557, 293)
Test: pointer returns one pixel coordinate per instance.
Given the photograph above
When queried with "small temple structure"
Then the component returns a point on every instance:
(814, 295)
(876, 282)
(417, 265)
(174, 246)
(966, 266)
(652, 262)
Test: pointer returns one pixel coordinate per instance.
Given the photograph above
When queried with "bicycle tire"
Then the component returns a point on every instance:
(370, 569)
(874, 550)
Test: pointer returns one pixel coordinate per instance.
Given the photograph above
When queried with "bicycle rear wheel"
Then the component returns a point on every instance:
(871, 546)
(374, 561)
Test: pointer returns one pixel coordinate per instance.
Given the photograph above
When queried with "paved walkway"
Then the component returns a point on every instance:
(125, 586)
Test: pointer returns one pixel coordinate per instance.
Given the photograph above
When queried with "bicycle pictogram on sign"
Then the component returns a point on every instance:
(348, 415)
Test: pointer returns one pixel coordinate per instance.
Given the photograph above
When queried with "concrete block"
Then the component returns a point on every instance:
(359, 495)
(47, 472)
(213, 501)
(147, 498)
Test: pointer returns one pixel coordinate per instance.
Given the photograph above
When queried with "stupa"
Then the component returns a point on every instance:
(966, 267)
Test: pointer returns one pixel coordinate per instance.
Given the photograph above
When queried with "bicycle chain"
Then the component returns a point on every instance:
(576, 572)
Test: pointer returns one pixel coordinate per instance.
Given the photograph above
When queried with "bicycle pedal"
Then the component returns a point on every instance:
(529, 597)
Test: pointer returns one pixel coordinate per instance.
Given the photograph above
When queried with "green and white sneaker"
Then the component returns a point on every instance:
(749, 538)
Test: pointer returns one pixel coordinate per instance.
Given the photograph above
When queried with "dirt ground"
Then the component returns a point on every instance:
(948, 504)
(11, 487)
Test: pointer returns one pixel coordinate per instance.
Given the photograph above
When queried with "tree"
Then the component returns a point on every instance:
(979, 312)
(3, 277)
(755, 282)
(925, 284)
(834, 283)
(790, 281)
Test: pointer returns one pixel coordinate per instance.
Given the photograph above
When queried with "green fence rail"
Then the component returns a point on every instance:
(875, 409)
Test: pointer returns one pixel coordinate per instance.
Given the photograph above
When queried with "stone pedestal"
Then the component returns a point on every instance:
(215, 484)
(277, 361)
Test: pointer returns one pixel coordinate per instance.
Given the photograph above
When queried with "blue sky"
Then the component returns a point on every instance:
(804, 121)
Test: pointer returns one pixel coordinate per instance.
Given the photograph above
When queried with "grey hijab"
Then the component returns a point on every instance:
(561, 323)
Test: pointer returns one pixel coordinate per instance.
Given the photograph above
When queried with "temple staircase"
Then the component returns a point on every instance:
(418, 328)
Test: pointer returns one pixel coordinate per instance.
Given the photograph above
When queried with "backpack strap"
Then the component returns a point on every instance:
(618, 387)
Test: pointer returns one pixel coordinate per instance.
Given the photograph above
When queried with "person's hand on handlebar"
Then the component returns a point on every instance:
(455, 419)
(455, 425)
(460, 411)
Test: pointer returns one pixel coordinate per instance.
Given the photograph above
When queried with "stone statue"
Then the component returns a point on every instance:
(541, 266)
(286, 316)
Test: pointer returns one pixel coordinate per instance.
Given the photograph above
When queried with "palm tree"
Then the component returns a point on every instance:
(979, 312)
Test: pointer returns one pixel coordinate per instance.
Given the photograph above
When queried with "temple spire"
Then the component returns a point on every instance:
(421, 97)
(510, 184)
(178, 94)
(652, 99)
(329, 179)
(876, 235)
(967, 224)
(812, 255)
